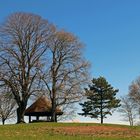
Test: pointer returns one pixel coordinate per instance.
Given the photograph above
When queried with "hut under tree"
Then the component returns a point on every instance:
(41, 108)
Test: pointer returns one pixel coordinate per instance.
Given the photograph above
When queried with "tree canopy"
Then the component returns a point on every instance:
(36, 57)
(101, 99)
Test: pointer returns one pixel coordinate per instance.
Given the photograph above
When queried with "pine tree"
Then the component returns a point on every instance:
(101, 99)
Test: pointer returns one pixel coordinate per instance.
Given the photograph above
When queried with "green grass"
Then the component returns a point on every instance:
(57, 131)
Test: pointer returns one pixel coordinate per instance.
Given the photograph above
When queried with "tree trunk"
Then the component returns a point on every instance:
(21, 112)
(53, 115)
(3, 121)
(53, 111)
(131, 120)
(55, 118)
(101, 119)
(101, 107)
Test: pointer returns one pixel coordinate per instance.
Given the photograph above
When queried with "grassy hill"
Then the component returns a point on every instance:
(68, 131)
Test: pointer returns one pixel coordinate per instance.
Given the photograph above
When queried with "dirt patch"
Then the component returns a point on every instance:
(97, 131)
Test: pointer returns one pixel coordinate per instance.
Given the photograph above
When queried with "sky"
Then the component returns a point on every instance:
(109, 29)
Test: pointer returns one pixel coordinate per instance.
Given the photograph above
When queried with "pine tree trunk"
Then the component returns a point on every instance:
(101, 107)
(101, 119)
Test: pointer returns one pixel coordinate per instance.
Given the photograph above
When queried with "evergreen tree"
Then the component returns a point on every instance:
(101, 99)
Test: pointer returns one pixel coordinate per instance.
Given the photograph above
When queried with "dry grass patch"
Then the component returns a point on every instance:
(98, 131)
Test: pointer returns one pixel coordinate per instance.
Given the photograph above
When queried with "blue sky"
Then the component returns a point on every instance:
(110, 30)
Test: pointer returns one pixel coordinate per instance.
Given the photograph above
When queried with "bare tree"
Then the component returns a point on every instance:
(7, 107)
(128, 110)
(134, 90)
(23, 45)
(134, 93)
(67, 70)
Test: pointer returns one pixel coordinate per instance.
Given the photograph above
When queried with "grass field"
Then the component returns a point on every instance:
(68, 131)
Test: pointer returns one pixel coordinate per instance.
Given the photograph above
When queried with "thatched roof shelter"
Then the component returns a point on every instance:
(41, 107)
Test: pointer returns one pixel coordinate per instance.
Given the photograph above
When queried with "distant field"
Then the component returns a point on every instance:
(68, 131)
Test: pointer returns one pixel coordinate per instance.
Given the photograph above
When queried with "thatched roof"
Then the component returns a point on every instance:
(41, 107)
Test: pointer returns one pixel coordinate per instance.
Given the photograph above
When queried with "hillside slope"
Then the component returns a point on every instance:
(68, 131)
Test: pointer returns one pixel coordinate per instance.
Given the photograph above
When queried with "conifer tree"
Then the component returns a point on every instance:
(101, 99)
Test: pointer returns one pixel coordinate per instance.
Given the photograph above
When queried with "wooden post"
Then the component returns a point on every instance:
(29, 119)
(37, 118)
